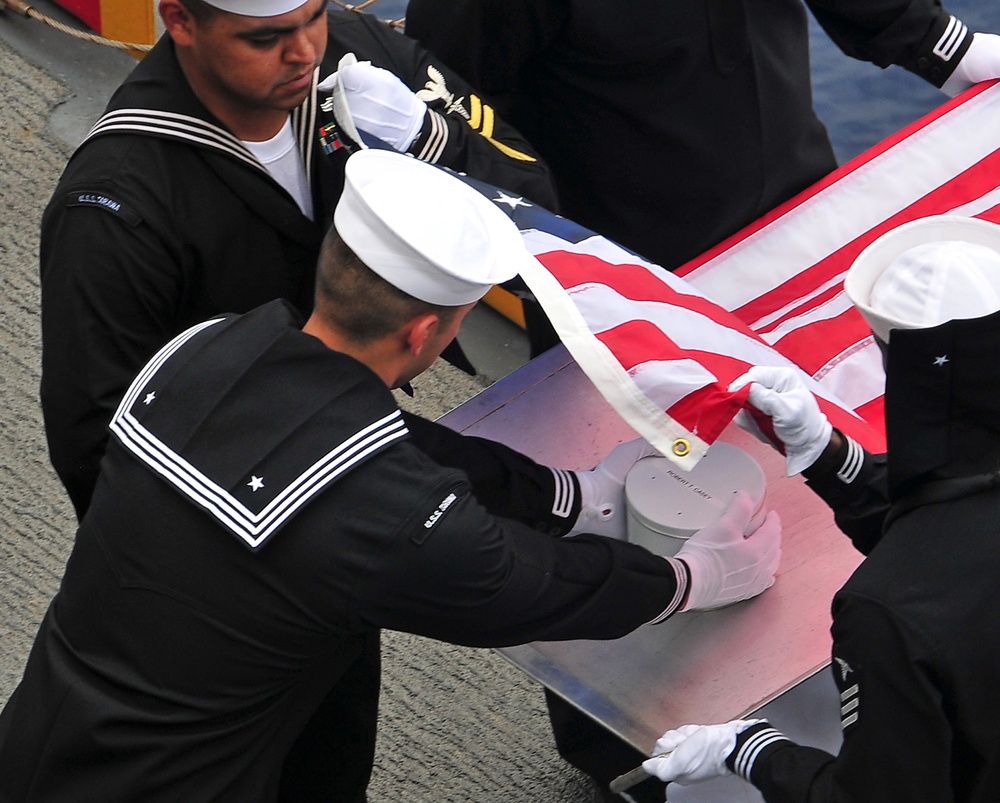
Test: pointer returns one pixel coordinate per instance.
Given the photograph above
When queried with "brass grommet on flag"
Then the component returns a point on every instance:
(681, 447)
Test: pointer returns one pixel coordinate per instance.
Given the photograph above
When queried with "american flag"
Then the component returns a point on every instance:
(664, 347)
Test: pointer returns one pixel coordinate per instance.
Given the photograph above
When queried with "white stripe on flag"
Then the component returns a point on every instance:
(879, 188)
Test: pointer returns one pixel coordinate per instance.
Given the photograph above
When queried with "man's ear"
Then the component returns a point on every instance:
(418, 330)
(177, 21)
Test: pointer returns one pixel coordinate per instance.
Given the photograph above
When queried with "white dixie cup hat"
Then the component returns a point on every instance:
(257, 8)
(926, 272)
(424, 230)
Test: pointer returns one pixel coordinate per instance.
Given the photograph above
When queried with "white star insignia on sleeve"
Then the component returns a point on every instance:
(256, 483)
(150, 397)
(940, 361)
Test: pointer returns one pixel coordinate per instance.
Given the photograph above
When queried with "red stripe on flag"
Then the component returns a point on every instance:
(965, 188)
(836, 335)
(705, 410)
(634, 282)
(872, 411)
(844, 170)
(992, 214)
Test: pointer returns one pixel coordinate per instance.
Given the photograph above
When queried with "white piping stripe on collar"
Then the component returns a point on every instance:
(194, 129)
(251, 527)
(157, 360)
(304, 124)
(178, 126)
(254, 528)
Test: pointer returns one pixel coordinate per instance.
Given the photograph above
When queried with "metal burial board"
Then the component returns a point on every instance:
(704, 667)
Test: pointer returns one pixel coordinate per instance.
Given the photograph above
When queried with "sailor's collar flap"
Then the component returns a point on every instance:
(250, 421)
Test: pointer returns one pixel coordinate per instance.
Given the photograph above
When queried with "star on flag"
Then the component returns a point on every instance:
(512, 201)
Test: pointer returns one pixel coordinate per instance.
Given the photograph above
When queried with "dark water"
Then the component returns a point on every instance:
(859, 102)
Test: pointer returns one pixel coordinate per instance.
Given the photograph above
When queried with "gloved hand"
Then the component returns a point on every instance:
(779, 393)
(727, 562)
(602, 490)
(980, 63)
(695, 753)
(378, 102)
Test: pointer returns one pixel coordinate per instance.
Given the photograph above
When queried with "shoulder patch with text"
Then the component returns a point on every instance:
(430, 521)
(104, 202)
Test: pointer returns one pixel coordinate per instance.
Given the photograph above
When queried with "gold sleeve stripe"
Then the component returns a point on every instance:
(511, 152)
(481, 119)
(487, 128)
(475, 111)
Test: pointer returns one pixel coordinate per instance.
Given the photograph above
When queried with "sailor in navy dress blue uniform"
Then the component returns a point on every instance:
(915, 654)
(164, 216)
(264, 509)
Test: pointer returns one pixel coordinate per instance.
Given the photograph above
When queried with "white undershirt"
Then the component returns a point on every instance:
(280, 155)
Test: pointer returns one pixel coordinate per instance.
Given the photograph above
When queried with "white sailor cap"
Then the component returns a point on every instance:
(257, 8)
(424, 230)
(926, 272)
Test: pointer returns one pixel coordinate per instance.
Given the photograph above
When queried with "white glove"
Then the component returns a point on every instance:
(980, 63)
(602, 490)
(779, 393)
(730, 560)
(695, 753)
(378, 102)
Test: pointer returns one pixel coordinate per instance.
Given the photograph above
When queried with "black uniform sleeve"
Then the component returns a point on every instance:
(489, 42)
(918, 35)
(504, 481)
(854, 484)
(896, 736)
(109, 292)
(462, 130)
(492, 42)
(455, 572)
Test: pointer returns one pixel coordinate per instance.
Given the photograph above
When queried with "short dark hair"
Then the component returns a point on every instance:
(200, 10)
(359, 303)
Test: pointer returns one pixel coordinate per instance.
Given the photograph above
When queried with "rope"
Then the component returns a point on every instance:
(25, 10)
(22, 8)
(362, 6)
